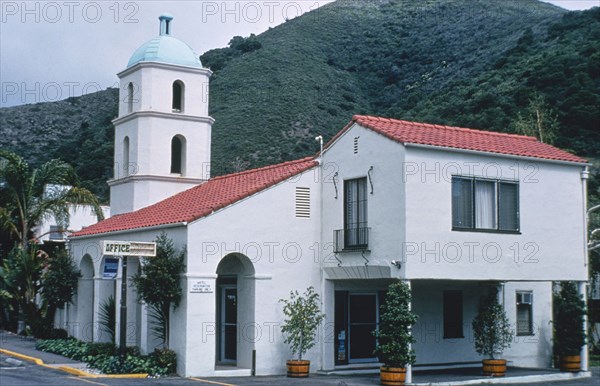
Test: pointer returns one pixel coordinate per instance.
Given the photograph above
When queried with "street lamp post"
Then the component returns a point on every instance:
(123, 321)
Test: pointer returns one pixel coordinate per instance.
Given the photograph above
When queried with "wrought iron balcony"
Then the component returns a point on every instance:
(354, 239)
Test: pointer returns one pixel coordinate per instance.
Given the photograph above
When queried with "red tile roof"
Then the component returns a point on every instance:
(202, 200)
(459, 138)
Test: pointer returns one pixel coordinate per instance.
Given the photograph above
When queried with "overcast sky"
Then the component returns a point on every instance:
(50, 50)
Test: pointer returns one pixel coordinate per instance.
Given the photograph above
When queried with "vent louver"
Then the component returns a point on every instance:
(302, 202)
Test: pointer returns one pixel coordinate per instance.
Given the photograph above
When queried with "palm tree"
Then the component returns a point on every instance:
(24, 203)
(24, 196)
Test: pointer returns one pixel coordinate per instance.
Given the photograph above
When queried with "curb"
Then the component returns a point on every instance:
(70, 370)
(518, 379)
(37, 361)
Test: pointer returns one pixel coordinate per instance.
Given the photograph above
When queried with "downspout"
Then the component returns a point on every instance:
(582, 286)
(586, 213)
(321, 244)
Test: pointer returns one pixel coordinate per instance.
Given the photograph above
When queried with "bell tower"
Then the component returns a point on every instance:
(163, 131)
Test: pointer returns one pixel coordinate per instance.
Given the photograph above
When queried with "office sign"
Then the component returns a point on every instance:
(128, 248)
(201, 287)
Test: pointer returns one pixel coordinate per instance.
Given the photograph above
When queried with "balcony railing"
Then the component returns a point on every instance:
(354, 239)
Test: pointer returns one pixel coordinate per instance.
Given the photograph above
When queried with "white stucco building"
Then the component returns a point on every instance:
(452, 211)
(54, 230)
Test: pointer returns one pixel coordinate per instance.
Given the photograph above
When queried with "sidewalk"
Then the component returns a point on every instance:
(25, 349)
(26, 346)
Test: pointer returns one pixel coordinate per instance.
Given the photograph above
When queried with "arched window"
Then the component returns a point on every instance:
(126, 156)
(178, 90)
(130, 98)
(178, 154)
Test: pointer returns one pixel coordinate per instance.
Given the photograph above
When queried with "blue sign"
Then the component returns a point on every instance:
(111, 267)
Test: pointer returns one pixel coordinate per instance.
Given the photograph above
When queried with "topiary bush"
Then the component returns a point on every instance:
(396, 320)
(569, 311)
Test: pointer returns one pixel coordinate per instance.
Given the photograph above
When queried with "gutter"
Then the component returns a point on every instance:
(488, 154)
(142, 229)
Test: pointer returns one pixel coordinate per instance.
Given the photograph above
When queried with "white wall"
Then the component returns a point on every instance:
(153, 84)
(79, 216)
(535, 350)
(91, 246)
(283, 250)
(386, 213)
(550, 246)
(432, 349)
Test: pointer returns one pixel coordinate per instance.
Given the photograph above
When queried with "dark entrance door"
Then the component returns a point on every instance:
(228, 321)
(362, 321)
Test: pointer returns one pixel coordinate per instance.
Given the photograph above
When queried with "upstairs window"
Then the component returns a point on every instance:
(524, 313)
(178, 89)
(125, 165)
(56, 232)
(177, 155)
(130, 98)
(355, 213)
(483, 204)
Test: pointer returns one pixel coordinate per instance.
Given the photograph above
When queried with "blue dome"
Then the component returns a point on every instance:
(165, 49)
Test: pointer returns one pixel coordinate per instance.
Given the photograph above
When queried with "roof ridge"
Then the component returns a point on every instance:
(445, 127)
(250, 171)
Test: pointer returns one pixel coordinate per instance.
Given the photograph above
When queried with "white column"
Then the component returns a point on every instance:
(409, 367)
(144, 330)
(581, 288)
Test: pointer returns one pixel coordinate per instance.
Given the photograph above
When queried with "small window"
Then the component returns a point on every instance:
(356, 145)
(302, 202)
(177, 155)
(453, 314)
(125, 165)
(178, 89)
(56, 233)
(130, 98)
(483, 204)
(524, 313)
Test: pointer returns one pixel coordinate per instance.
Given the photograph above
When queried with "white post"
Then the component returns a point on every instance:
(409, 367)
(581, 288)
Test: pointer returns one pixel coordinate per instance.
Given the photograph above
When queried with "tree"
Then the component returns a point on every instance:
(158, 284)
(394, 335)
(58, 283)
(538, 120)
(26, 201)
(27, 273)
(303, 316)
(491, 327)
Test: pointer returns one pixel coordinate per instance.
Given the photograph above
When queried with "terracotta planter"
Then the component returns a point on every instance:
(392, 376)
(298, 369)
(571, 363)
(494, 367)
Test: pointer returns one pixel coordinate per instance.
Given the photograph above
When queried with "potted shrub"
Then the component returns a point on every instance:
(492, 333)
(303, 316)
(394, 336)
(569, 336)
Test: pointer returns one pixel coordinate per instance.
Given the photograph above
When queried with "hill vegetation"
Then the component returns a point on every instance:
(472, 63)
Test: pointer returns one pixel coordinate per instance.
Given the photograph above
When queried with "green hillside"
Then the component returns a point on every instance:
(472, 63)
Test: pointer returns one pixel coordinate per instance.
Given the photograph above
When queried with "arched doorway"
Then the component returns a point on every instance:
(235, 311)
(85, 300)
